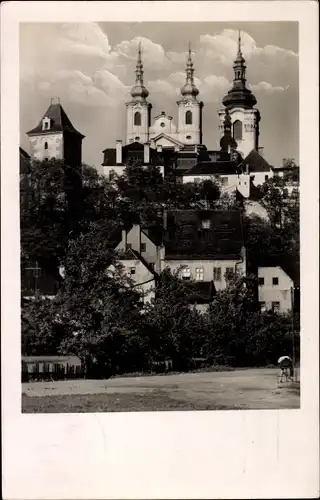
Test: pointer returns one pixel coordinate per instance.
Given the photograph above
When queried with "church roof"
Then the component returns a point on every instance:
(59, 122)
(213, 168)
(185, 238)
(256, 162)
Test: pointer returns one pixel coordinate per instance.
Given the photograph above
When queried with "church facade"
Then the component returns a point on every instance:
(179, 146)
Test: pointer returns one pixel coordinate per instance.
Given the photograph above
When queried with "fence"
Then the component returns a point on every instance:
(51, 371)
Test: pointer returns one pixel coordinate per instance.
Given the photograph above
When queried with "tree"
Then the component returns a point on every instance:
(175, 329)
(97, 306)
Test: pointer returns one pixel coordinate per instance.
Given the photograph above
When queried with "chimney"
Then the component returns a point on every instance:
(124, 238)
(118, 151)
(146, 153)
(159, 148)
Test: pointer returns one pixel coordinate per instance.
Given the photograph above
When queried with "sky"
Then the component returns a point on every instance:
(90, 67)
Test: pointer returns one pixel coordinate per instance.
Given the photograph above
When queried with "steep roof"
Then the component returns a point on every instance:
(185, 236)
(256, 162)
(59, 122)
(213, 168)
(131, 254)
(290, 263)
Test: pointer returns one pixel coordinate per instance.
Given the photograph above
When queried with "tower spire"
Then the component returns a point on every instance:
(139, 91)
(239, 43)
(189, 88)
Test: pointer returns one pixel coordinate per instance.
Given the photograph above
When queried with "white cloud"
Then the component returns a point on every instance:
(266, 87)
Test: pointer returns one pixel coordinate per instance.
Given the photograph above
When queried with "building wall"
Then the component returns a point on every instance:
(207, 266)
(55, 148)
(259, 178)
(141, 275)
(141, 131)
(268, 292)
(190, 134)
(250, 128)
(137, 238)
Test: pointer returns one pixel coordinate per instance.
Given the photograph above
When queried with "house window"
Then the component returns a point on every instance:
(237, 130)
(275, 307)
(188, 137)
(266, 177)
(143, 247)
(229, 273)
(186, 273)
(217, 274)
(275, 281)
(188, 118)
(137, 118)
(261, 281)
(30, 278)
(206, 224)
(111, 175)
(262, 306)
(197, 180)
(46, 145)
(199, 273)
(132, 270)
(46, 158)
(128, 246)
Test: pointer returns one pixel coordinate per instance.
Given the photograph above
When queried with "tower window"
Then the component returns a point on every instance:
(45, 145)
(137, 118)
(188, 137)
(188, 118)
(46, 122)
(237, 130)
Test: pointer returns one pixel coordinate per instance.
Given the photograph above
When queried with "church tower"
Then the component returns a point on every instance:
(190, 109)
(139, 109)
(56, 137)
(239, 103)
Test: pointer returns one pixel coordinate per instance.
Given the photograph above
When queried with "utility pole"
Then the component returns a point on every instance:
(292, 332)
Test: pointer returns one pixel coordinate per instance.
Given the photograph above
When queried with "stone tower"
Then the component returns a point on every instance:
(190, 109)
(240, 102)
(56, 137)
(139, 109)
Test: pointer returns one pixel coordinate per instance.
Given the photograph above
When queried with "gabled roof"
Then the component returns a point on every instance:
(290, 263)
(162, 135)
(213, 168)
(131, 254)
(185, 238)
(256, 162)
(59, 122)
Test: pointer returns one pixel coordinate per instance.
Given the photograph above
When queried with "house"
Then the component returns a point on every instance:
(279, 283)
(205, 246)
(140, 272)
(257, 167)
(145, 241)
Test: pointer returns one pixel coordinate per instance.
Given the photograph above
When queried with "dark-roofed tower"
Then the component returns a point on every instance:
(240, 103)
(190, 108)
(56, 137)
(138, 109)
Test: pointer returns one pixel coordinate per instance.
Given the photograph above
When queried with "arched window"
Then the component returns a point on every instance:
(137, 118)
(188, 118)
(237, 130)
(45, 145)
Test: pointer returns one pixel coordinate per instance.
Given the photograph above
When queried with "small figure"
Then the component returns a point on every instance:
(286, 366)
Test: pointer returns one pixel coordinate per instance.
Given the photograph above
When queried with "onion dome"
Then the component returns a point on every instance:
(139, 91)
(239, 95)
(189, 89)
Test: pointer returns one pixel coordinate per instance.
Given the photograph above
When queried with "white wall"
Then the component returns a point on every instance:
(207, 266)
(269, 293)
(193, 130)
(140, 277)
(55, 146)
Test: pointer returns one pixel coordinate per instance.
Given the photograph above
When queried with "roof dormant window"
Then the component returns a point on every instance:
(46, 123)
(206, 224)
